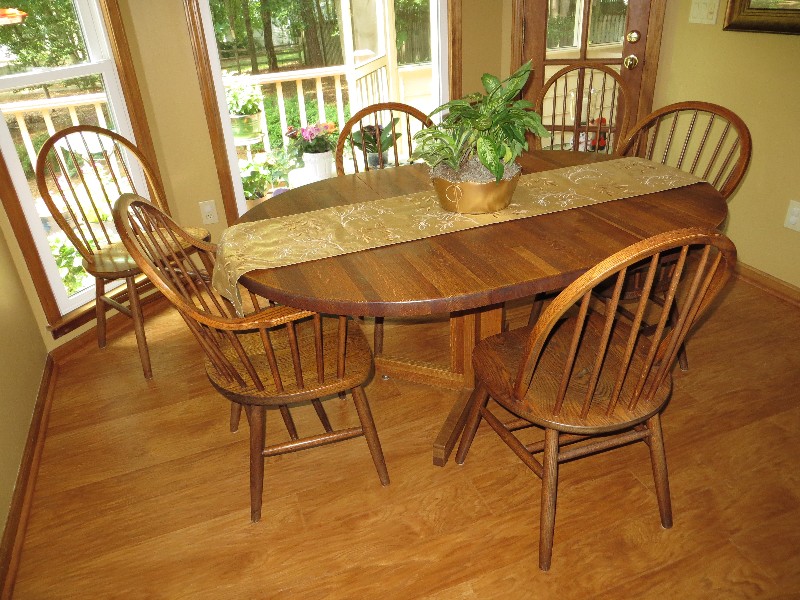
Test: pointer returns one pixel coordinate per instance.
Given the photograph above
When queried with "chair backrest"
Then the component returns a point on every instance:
(584, 106)
(606, 358)
(705, 139)
(182, 267)
(80, 172)
(392, 123)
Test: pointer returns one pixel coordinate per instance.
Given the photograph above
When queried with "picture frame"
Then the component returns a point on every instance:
(765, 16)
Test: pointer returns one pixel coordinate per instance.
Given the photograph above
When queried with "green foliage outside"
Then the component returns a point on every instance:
(412, 31)
(243, 31)
(50, 37)
(292, 107)
(313, 28)
(69, 263)
(265, 171)
(560, 31)
(38, 140)
(491, 126)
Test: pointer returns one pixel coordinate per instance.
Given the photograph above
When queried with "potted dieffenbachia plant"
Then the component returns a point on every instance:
(472, 152)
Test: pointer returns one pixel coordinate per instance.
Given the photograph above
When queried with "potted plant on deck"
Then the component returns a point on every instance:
(314, 145)
(375, 141)
(472, 152)
(246, 108)
(263, 173)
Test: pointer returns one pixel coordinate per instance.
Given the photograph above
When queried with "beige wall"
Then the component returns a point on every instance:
(22, 358)
(757, 75)
(164, 63)
(482, 41)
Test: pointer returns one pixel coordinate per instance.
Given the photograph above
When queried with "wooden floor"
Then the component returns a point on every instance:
(143, 492)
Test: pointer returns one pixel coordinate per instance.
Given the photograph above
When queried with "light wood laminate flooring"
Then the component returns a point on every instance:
(143, 491)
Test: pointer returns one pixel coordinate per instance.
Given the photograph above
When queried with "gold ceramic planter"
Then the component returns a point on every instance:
(473, 198)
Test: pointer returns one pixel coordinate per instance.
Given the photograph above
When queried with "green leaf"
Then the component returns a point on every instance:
(488, 155)
(490, 82)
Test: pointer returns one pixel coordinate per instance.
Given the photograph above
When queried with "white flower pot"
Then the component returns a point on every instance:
(318, 166)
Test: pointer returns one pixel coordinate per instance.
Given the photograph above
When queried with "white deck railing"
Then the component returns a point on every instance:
(270, 83)
(44, 108)
(277, 81)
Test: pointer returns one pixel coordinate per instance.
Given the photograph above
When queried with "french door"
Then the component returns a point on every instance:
(622, 34)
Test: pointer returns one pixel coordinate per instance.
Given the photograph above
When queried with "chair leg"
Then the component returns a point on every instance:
(236, 415)
(658, 458)
(138, 327)
(256, 414)
(547, 516)
(371, 433)
(100, 310)
(378, 333)
(478, 399)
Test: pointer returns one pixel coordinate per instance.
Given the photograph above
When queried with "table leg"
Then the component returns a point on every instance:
(466, 329)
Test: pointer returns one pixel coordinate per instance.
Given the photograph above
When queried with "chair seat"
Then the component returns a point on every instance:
(496, 360)
(112, 262)
(358, 363)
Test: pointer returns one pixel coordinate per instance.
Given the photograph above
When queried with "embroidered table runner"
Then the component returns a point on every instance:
(338, 230)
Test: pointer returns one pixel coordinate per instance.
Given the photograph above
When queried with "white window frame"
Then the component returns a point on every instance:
(101, 62)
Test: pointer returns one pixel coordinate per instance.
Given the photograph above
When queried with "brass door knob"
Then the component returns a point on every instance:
(630, 61)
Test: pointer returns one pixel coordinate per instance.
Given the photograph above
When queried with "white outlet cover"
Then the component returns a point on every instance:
(704, 12)
(793, 216)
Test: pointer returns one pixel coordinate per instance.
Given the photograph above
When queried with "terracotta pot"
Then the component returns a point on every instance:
(473, 198)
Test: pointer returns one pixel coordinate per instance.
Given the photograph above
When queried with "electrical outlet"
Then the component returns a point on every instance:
(208, 212)
(793, 215)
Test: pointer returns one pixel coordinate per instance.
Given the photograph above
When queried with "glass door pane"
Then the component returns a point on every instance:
(566, 21)
(606, 28)
(564, 29)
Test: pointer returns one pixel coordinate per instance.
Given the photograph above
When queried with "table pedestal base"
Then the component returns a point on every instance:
(466, 329)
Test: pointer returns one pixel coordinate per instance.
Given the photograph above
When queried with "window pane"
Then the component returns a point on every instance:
(49, 37)
(564, 29)
(368, 38)
(412, 20)
(606, 28)
(32, 115)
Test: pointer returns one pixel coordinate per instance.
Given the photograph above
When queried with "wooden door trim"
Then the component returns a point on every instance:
(454, 29)
(655, 27)
(208, 92)
(118, 41)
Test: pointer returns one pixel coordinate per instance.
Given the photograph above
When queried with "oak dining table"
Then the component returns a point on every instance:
(470, 274)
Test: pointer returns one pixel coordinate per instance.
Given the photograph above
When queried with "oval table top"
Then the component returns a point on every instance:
(473, 268)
